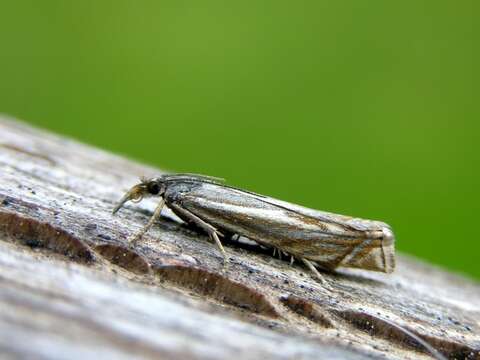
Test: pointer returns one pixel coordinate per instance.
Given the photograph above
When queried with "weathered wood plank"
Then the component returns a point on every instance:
(70, 287)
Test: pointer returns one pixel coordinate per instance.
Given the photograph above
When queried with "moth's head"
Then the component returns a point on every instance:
(146, 187)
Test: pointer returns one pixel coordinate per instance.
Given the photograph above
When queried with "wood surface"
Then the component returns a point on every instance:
(71, 288)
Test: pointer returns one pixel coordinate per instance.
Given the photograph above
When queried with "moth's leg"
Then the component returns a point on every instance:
(156, 214)
(292, 259)
(277, 252)
(314, 270)
(209, 229)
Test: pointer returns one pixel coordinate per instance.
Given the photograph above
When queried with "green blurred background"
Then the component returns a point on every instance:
(367, 108)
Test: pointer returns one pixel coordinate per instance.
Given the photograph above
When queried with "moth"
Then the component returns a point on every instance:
(319, 239)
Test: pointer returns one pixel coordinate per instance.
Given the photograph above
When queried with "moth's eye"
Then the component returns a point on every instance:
(153, 188)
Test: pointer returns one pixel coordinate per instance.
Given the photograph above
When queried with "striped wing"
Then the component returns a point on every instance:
(330, 240)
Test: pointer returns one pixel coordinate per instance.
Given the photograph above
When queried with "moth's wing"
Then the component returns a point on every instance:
(323, 237)
(324, 216)
(376, 251)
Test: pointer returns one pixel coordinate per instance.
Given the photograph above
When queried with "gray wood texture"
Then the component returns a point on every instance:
(71, 288)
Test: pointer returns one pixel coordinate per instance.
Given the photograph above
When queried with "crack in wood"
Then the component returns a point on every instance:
(124, 257)
(218, 287)
(308, 310)
(34, 234)
(387, 329)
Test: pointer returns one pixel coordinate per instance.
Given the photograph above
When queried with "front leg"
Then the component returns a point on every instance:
(156, 214)
(209, 229)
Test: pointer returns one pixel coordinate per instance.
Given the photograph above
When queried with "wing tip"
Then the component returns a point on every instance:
(388, 258)
(379, 256)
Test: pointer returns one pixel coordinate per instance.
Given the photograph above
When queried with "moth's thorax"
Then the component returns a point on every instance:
(176, 190)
